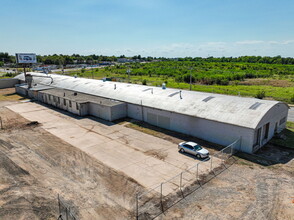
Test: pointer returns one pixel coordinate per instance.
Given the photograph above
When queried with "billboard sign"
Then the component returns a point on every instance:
(26, 58)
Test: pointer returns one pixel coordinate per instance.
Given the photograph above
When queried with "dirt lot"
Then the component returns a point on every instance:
(245, 191)
(36, 166)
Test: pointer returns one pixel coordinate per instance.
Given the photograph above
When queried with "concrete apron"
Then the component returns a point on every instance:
(116, 146)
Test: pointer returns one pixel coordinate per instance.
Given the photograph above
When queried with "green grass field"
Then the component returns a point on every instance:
(283, 90)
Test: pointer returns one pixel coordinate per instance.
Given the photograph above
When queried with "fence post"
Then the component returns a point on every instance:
(181, 180)
(161, 197)
(137, 206)
(59, 204)
(66, 213)
(197, 174)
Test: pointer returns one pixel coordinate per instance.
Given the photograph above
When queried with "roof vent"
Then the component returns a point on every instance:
(173, 94)
(147, 89)
(255, 105)
(208, 98)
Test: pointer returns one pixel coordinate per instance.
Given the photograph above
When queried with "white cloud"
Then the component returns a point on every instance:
(250, 42)
(203, 49)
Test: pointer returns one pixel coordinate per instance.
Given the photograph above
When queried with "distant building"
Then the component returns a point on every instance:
(125, 60)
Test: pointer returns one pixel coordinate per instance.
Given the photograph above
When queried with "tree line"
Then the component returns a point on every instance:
(60, 59)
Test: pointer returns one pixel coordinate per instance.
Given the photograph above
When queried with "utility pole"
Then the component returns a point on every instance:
(128, 71)
(92, 69)
(191, 78)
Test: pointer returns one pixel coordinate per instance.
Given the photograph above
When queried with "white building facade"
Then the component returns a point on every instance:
(216, 118)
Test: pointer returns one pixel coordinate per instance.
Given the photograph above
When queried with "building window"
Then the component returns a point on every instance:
(64, 102)
(70, 104)
(77, 106)
(283, 120)
(258, 134)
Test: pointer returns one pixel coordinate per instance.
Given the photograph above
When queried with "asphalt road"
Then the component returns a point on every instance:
(291, 114)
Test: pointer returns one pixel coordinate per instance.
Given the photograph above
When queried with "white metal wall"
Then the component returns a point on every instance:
(118, 111)
(212, 131)
(59, 102)
(8, 83)
(21, 91)
(273, 117)
(99, 111)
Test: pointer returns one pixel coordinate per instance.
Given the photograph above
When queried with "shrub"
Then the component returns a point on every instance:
(260, 94)
(292, 99)
(144, 82)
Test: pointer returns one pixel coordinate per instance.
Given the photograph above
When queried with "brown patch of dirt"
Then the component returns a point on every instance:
(10, 95)
(36, 166)
(161, 155)
(268, 82)
(11, 120)
(242, 192)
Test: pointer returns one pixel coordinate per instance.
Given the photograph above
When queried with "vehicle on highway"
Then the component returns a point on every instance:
(194, 149)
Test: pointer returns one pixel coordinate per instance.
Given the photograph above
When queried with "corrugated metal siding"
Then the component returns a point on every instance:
(222, 108)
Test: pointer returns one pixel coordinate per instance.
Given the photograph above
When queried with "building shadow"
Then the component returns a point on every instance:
(194, 157)
(269, 155)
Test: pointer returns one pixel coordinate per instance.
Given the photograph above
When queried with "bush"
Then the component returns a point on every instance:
(292, 99)
(260, 94)
(144, 82)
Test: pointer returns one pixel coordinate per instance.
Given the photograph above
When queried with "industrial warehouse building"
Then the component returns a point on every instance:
(216, 118)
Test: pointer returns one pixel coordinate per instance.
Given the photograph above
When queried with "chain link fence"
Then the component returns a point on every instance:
(152, 203)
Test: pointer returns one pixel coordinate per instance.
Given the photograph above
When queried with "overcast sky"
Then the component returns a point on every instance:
(170, 28)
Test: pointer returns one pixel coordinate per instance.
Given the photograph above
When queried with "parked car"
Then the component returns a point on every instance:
(194, 149)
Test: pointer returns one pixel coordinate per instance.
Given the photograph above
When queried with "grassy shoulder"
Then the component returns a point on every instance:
(286, 137)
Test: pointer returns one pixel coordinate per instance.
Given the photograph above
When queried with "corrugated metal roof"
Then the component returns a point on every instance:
(222, 108)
